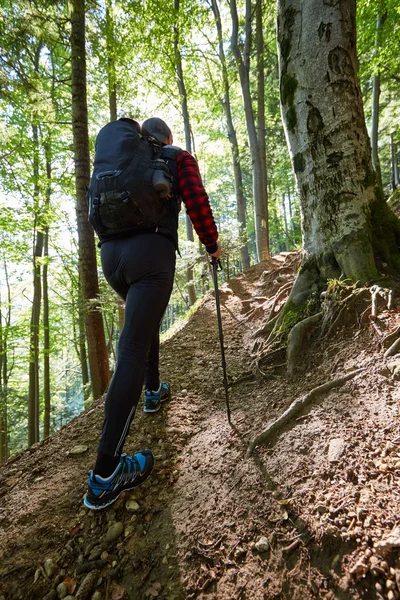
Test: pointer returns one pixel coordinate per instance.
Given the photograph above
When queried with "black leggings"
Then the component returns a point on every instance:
(141, 270)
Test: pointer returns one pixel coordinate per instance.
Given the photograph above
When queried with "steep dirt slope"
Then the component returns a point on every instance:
(291, 522)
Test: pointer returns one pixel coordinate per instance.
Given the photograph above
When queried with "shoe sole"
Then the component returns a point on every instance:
(112, 500)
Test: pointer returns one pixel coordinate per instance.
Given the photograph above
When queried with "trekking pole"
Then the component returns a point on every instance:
(215, 263)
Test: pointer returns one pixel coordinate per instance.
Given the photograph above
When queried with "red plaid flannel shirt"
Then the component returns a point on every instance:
(195, 199)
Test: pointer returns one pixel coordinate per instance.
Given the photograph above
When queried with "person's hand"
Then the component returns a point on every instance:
(218, 251)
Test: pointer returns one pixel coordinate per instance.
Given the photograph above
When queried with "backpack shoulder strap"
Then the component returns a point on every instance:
(170, 155)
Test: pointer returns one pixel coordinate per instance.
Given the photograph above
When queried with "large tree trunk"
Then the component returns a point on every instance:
(346, 223)
(259, 178)
(237, 171)
(97, 350)
(188, 141)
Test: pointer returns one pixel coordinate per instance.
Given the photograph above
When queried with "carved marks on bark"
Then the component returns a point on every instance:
(340, 62)
(325, 30)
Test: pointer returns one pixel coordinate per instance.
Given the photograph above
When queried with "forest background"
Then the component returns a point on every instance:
(210, 69)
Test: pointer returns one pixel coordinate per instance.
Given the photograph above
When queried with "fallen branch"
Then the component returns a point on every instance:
(296, 407)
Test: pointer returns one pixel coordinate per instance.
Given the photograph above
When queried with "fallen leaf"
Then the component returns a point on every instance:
(70, 584)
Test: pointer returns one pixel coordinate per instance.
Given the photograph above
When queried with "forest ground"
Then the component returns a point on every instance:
(324, 496)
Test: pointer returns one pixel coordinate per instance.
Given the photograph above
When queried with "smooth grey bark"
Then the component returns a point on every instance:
(376, 92)
(345, 221)
(97, 350)
(237, 170)
(259, 187)
(188, 140)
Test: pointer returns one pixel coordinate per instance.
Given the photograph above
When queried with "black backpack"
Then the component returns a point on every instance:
(131, 184)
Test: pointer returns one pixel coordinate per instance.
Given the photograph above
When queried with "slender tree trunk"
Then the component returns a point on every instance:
(188, 141)
(97, 350)
(262, 202)
(285, 219)
(395, 168)
(46, 320)
(82, 349)
(112, 102)
(111, 71)
(3, 386)
(345, 221)
(34, 393)
(376, 92)
(243, 63)
(237, 171)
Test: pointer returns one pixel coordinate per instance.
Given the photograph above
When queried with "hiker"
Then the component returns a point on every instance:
(139, 264)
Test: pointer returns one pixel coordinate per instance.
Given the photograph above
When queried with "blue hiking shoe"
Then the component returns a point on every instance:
(152, 400)
(131, 472)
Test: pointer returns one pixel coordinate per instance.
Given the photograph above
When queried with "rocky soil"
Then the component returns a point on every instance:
(312, 515)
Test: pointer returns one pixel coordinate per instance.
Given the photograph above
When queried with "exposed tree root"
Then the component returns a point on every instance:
(391, 337)
(296, 407)
(268, 327)
(394, 349)
(296, 339)
(266, 357)
(285, 288)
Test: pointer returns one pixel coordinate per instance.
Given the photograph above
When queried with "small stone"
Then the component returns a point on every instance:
(262, 545)
(391, 595)
(129, 530)
(321, 508)
(97, 595)
(390, 584)
(114, 532)
(62, 590)
(50, 567)
(52, 595)
(183, 393)
(79, 449)
(95, 553)
(104, 555)
(132, 505)
(336, 449)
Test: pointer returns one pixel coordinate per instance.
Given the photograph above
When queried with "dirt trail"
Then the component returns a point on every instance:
(291, 522)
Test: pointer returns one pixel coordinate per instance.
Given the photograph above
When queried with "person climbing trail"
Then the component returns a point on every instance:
(134, 199)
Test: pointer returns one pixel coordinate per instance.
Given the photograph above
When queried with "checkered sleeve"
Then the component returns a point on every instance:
(196, 201)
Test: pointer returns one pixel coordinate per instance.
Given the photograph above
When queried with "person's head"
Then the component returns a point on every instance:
(158, 129)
